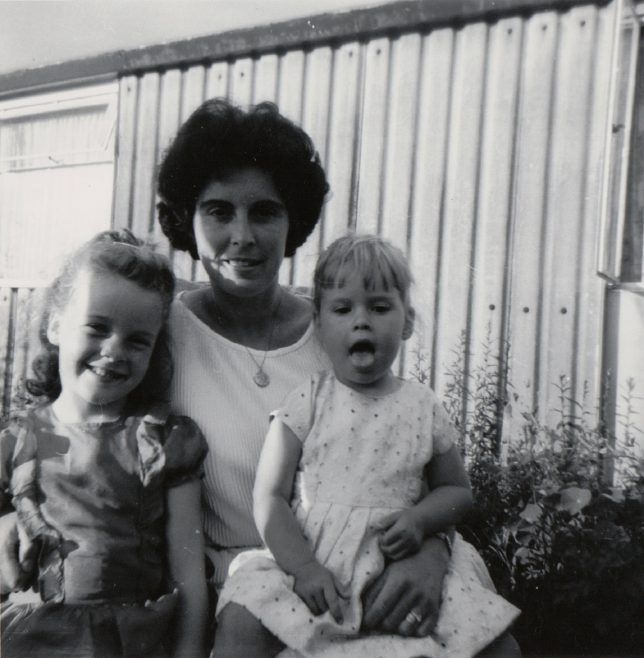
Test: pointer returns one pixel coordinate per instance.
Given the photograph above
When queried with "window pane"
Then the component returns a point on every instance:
(56, 178)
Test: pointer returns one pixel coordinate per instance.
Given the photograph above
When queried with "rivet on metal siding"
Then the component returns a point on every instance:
(564, 310)
(492, 307)
(378, 51)
(582, 23)
(526, 309)
(509, 30)
(544, 27)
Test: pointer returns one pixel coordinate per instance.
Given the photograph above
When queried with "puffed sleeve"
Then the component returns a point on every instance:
(18, 450)
(443, 430)
(296, 411)
(185, 449)
(8, 440)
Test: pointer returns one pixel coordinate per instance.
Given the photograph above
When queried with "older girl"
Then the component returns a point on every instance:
(102, 477)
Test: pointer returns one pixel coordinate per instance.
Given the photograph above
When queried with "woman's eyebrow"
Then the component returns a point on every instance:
(214, 200)
(269, 201)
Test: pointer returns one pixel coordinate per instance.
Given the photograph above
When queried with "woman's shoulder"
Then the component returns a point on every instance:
(190, 295)
(295, 318)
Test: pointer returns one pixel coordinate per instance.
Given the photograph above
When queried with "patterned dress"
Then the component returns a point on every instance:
(93, 496)
(362, 458)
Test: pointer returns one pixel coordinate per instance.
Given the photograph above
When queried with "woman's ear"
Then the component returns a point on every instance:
(53, 329)
(408, 327)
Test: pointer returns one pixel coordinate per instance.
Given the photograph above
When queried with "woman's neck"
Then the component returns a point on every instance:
(251, 321)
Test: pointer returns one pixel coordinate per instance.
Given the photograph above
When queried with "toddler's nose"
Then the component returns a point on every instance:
(361, 321)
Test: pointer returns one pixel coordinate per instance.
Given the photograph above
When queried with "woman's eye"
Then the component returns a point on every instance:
(267, 209)
(219, 212)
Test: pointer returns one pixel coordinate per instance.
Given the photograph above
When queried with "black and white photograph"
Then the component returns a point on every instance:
(321, 328)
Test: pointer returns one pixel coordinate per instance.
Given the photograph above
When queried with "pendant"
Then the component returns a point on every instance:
(261, 378)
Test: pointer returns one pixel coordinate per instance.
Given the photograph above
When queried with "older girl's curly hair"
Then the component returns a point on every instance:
(219, 138)
(114, 252)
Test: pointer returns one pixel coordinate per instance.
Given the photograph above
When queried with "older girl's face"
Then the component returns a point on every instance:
(240, 227)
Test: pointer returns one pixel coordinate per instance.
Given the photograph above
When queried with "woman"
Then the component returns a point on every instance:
(240, 191)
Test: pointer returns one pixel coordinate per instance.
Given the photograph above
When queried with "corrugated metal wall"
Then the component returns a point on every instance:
(477, 148)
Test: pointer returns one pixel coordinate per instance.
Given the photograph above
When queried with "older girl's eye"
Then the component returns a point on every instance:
(141, 342)
(341, 310)
(96, 328)
(381, 308)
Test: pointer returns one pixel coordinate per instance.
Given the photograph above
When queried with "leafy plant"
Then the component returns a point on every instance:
(561, 541)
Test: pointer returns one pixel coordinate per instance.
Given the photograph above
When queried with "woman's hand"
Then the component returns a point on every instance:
(401, 535)
(316, 586)
(17, 556)
(405, 598)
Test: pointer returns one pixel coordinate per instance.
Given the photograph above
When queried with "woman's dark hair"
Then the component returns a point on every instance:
(114, 252)
(219, 138)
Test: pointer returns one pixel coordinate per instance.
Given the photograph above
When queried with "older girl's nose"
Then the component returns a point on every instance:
(112, 348)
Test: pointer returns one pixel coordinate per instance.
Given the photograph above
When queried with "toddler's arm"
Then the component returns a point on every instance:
(448, 499)
(279, 528)
(186, 562)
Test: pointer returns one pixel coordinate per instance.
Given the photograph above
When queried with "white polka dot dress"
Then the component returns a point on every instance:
(362, 458)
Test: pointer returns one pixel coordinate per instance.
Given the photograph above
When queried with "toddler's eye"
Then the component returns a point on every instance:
(381, 308)
(341, 310)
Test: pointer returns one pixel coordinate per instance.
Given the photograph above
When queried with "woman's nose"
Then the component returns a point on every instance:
(241, 230)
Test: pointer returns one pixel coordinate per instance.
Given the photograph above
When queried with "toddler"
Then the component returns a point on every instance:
(359, 467)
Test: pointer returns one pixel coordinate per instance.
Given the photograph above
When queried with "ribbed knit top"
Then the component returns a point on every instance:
(213, 384)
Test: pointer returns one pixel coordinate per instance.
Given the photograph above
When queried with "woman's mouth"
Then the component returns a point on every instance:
(241, 262)
(362, 354)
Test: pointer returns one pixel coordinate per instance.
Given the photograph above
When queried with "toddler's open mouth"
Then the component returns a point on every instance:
(362, 353)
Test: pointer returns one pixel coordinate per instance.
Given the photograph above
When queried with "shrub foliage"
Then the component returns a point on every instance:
(562, 542)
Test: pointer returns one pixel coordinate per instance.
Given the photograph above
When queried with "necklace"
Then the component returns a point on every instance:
(261, 377)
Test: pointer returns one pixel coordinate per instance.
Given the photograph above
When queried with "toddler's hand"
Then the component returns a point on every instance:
(316, 586)
(401, 535)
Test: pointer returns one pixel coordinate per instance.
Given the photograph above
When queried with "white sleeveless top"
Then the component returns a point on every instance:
(213, 384)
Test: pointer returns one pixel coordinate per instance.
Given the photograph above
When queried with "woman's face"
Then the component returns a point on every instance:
(240, 227)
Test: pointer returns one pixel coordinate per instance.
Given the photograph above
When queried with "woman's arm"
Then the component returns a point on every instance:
(278, 527)
(448, 499)
(185, 547)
